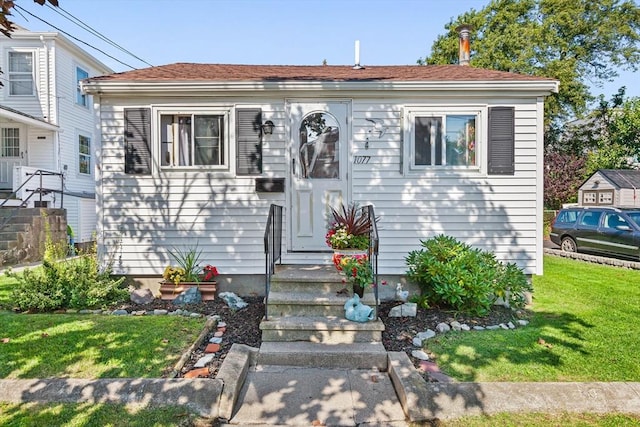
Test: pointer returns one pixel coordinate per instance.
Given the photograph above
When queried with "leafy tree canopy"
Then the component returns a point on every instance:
(6, 25)
(609, 138)
(578, 42)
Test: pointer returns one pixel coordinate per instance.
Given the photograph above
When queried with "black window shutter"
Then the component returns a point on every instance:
(249, 141)
(137, 137)
(501, 141)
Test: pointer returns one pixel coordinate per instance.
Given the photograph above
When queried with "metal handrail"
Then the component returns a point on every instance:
(272, 249)
(374, 244)
(40, 190)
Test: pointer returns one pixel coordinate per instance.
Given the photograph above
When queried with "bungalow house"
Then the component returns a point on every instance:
(611, 187)
(195, 154)
(48, 124)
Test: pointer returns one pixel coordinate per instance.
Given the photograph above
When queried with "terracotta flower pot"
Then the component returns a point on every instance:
(169, 290)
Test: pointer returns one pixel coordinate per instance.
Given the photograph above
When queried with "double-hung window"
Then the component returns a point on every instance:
(81, 98)
(84, 154)
(193, 140)
(443, 139)
(21, 74)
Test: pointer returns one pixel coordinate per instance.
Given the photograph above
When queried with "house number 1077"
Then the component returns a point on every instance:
(361, 160)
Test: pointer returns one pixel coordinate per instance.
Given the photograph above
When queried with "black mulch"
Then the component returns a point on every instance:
(243, 325)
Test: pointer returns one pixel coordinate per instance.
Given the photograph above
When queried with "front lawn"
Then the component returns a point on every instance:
(85, 414)
(584, 328)
(90, 346)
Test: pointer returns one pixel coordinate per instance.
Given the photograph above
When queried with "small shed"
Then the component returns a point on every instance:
(611, 187)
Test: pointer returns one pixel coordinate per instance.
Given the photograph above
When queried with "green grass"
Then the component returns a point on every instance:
(5, 290)
(584, 327)
(77, 415)
(545, 420)
(90, 346)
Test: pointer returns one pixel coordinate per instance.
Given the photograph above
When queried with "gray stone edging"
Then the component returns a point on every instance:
(201, 395)
(595, 259)
(208, 327)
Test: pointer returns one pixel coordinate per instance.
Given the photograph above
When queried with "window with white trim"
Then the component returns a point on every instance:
(193, 140)
(81, 98)
(443, 139)
(10, 143)
(20, 74)
(84, 154)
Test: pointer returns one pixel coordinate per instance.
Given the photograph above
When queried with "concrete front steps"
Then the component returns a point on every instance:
(306, 324)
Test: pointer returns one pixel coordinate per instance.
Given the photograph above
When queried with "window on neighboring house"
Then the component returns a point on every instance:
(10, 142)
(84, 154)
(444, 140)
(589, 197)
(605, 197)
(81, 98)
(192, 140)
(21, 73)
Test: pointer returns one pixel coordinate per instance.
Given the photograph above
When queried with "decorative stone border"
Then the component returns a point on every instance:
(594, 258)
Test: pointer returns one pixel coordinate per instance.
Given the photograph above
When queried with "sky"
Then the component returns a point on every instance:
(289, 32)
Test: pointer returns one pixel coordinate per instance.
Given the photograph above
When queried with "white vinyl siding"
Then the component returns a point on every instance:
(226, 217)
(177, 207)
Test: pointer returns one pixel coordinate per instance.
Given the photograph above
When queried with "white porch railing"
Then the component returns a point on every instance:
(46, 184)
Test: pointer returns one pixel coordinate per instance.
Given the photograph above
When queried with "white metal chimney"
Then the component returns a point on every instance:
(357, 65)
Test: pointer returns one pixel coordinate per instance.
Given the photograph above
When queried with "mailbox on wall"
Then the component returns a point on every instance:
(270, 185)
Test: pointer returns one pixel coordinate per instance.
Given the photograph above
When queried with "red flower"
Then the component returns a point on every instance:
(210, 272)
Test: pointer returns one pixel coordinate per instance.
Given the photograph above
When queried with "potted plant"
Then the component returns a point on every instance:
(349, 228)
(357, 270)
(188, 273)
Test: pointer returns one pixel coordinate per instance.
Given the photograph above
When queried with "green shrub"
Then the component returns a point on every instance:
(453, 274)
(76, 283)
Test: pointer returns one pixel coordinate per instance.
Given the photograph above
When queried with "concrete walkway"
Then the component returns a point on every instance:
(247, 394)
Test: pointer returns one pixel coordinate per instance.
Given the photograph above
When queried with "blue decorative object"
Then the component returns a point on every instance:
(355, 311)
(234, 302)
(190, 296)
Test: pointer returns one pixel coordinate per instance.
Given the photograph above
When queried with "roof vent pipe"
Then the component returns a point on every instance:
(357, 65)
(464, 55)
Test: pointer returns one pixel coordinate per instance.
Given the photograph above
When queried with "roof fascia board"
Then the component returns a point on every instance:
(27, 120)
(541, 87)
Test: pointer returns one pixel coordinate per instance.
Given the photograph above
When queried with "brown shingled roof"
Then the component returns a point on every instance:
(230, 72)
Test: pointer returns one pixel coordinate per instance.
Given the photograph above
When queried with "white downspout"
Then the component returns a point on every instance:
(56, 134)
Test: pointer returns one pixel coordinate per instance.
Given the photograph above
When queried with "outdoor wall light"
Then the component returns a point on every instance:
(267, 127)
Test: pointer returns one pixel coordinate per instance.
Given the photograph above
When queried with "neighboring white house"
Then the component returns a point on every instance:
(47, 123)
(611, 187)
(435, 149)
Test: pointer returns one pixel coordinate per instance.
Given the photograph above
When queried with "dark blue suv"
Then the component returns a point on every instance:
(604, 230)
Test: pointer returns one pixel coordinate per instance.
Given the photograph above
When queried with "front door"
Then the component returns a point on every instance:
(319, 160)
(10, 155)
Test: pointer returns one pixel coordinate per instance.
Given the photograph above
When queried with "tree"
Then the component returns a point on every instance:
(608, 138)
(578, 42)
(563, 175)
(6, 25)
